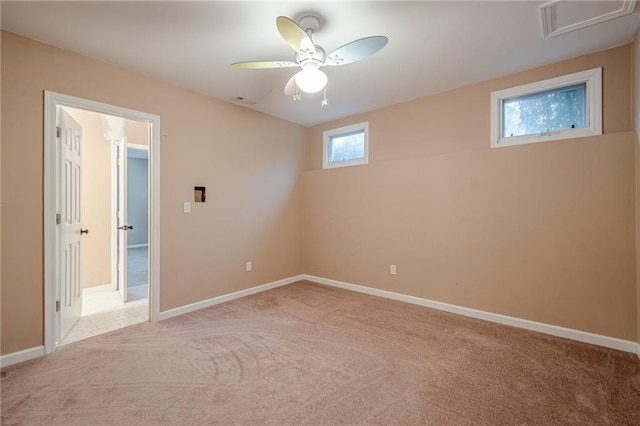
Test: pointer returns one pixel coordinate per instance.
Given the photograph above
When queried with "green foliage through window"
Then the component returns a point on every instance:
(547, 111)
(347, 146)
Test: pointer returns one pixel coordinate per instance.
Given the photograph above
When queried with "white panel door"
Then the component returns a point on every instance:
(71, 221)
(122, 218)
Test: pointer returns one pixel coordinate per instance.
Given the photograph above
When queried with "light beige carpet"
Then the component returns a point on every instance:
(309, 354)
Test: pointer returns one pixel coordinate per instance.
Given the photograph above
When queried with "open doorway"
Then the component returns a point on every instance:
(113, 200)
(101, 231)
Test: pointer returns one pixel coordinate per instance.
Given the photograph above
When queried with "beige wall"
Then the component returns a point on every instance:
(635, 78)
(544, 232)
(251, 164)
(137, 132)
(96, 199)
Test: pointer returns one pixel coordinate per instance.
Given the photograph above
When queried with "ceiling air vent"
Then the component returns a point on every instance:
(563, 16)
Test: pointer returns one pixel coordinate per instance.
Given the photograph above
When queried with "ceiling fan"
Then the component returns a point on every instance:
(310, 57)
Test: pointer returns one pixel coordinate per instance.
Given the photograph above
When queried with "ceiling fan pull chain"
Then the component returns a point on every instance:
(325, 101)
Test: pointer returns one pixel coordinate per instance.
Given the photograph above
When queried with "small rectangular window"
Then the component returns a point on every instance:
(346, 146)
(551, 110)
(559, 108)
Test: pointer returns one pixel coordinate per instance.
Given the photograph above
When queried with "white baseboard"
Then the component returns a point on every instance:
(138, 245)
(568, 333)
(227, 297)
(21, 356)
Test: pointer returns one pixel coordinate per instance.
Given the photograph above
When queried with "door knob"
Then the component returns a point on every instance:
(125, 227)
(84, 231)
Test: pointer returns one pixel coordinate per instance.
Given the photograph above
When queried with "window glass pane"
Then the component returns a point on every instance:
(551, 110)
(347, 147)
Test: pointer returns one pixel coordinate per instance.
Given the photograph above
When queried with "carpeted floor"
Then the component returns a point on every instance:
(310, 354)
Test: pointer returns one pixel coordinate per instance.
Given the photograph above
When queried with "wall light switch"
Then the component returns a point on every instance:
(187, 207)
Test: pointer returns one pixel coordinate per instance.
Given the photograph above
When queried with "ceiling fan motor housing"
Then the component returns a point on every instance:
(310, 23)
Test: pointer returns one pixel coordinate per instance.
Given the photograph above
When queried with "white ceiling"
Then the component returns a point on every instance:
(433, 46)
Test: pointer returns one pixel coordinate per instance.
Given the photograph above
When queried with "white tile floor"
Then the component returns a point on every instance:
(104, 311)
(102, 307)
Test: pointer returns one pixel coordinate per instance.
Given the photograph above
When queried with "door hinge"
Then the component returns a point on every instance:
(58, 132)
(117, 161)
(57, 306)
(58, 218)
(117, 266)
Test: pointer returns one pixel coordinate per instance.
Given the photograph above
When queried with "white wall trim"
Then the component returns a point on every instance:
(51, 101)
(21, 356)
(138, 146)
(567, 333)
(138, 245)
(227, 297)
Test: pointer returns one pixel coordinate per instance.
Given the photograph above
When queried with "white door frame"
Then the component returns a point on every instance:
(51, 234)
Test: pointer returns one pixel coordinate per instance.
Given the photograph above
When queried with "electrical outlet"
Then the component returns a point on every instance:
(187, 207)
(249, 266)
(393, 270)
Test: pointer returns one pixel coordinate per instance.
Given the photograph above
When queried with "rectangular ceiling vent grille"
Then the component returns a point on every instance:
(563, 16)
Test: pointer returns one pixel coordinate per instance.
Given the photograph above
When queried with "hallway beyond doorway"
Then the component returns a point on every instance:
(137, 267)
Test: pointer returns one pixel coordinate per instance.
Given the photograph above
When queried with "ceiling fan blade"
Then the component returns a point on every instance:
(290, 87)
(356, 50)
(295, 36)
(264, 64)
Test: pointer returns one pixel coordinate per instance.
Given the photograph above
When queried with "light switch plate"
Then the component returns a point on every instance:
(187, 207)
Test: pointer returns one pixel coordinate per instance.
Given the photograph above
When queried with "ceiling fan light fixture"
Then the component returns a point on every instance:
(311, 79)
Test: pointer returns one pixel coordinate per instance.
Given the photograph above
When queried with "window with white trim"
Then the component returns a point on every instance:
(559, 108)
(346, 146)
